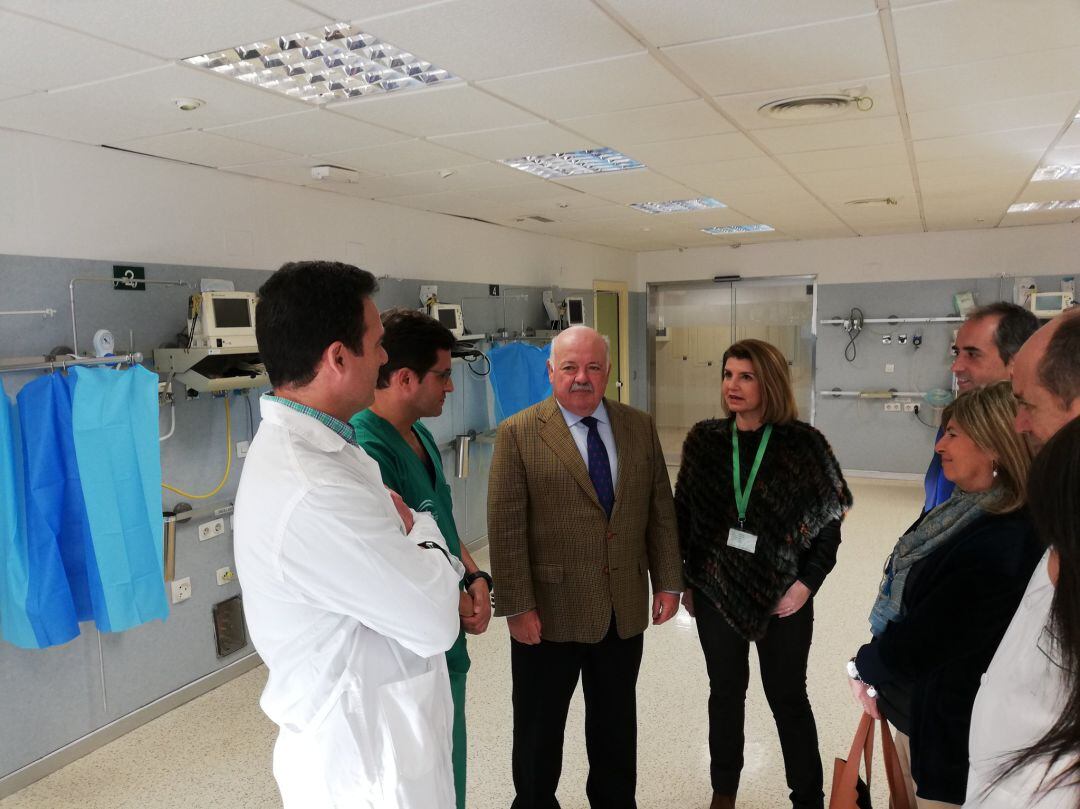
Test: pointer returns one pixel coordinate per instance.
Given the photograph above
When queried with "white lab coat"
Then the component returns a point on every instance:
(352, 619)
(1021, 696)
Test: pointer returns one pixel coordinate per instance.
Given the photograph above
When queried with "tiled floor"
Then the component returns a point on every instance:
(215, 751)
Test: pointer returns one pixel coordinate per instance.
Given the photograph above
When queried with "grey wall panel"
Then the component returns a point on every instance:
(639, 367)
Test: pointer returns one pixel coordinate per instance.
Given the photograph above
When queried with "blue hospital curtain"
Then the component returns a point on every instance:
(115, 429)
(39, 610)
(519, 377)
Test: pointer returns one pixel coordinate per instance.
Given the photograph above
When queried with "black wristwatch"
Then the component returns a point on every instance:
(478, 574)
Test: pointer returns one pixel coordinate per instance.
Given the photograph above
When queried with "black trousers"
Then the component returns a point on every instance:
(782, 654)
(545, 677)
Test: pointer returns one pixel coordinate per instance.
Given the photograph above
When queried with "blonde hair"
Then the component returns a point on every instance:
(774, 379)
(986, 415)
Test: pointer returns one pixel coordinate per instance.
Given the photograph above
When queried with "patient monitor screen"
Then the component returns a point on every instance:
(448, 317)
(232, 313)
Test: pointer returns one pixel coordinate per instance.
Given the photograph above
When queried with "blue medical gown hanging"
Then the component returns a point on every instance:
(519, 377)
(56, 511)
(115, 430)
(35, 603)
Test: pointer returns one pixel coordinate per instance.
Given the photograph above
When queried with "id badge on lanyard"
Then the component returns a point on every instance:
(738, 538)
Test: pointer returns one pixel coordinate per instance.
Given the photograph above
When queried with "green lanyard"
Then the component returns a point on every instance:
(742, 496)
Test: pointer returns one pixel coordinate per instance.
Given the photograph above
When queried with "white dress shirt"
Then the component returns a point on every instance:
(580, 434)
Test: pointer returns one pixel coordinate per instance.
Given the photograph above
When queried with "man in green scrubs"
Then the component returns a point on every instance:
(412, 385)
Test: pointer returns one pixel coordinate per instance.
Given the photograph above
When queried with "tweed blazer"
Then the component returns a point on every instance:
(554, 549)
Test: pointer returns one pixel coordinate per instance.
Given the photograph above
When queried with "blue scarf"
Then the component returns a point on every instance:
(940, 525)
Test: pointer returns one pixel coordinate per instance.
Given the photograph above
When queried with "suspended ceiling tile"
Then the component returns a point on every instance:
(294, 171)
(10, 91)
(837, 135)
(652, 124)
(516, 141)
(743, 108)
(524, 194)
(1071, 136)
(309, 132)
(84, 58)
(1060, 156)
(690, 151)
(988, 183)
(640, 185)
(888, 154)
(716, 174)
(361, 10)
(987, 145)
(469, 177)
(603, 211)
(950, 33)
(889, 228)
(1013, 113)
(716, 217)
(848, 184)
(161, 28)
(1040, 218)
(1014, 76)
(140, 105)
(1006, 166)
(815, 54)
(695, 20)
(611, 85)
(202, 148)
(838, 231)
(444, 109)
(484, 39)
(396, 158)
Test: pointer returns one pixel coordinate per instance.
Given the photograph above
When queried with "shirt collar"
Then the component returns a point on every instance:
(342, 428)
(572, 419)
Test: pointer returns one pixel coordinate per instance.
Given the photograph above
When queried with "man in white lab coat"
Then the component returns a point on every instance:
(351, 597)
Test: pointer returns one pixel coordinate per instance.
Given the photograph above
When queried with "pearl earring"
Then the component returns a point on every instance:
(995, 468)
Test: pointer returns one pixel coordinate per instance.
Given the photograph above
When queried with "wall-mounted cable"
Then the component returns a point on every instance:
(853, 325)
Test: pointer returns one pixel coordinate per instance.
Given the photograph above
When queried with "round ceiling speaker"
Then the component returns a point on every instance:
(825, 105)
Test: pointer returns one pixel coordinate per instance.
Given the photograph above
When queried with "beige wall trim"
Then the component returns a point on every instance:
(46, 765)
(623, 290)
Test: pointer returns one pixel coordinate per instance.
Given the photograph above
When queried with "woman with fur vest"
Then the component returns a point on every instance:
(759, 501)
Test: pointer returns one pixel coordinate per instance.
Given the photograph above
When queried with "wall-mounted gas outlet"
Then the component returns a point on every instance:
(892, 407)
(242, 448)
(181, 589)
(209, 530)
(225, 575)
(886, 339)
(901, 339)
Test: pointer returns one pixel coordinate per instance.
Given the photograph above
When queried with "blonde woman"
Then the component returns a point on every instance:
(759, 502)
(949, 590)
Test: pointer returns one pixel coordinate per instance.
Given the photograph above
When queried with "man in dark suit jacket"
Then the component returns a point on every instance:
(580, 517)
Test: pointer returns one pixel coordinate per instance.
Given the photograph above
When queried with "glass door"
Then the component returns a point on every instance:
(691, 325)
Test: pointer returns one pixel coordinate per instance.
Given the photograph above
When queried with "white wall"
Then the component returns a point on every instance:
(69, 200)
(1035, 250)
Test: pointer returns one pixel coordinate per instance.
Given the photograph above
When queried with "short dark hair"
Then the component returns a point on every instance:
(304, 307)
(1059, 371)
(1016, 325)
(411, 340)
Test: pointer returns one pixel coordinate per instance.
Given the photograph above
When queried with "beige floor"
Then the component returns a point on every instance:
(215, 751)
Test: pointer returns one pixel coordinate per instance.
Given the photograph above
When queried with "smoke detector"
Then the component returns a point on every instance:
(824, 105)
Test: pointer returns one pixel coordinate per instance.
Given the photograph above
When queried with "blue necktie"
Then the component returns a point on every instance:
(599, 467)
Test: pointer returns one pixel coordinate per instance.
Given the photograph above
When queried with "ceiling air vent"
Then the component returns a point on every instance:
(799, 108)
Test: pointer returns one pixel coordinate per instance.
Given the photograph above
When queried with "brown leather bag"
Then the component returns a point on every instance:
(849, 791)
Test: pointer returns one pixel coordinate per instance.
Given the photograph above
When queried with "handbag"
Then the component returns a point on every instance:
(849, 791)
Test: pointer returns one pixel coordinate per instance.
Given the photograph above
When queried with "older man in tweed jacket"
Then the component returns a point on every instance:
(580, 518)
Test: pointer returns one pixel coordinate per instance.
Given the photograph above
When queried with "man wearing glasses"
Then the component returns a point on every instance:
(413, 385)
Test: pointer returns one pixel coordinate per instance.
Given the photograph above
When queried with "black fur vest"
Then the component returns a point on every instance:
(799, 490)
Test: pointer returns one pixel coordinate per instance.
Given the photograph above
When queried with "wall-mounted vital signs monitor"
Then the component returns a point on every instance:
(1050, 304)
(575, 312)
(449, 315)
(222, 320)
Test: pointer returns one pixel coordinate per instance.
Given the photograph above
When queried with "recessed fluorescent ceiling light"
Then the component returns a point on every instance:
(336, 62)
(678, 205)
(1056, 205)
(569, 164)
(728, 229)
(1056, 173)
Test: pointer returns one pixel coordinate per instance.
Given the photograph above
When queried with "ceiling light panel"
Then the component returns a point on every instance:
(1055, 205)
(334, 63)
(570, 164)
(728, 230)
(1056, 173)
(678, 205)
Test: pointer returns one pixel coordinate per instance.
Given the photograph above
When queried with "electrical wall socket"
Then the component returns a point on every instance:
(910, 407)
(890, 368)
(242, 448)
(225, 575)
(892, 407)
(181, 589)
(209, 530)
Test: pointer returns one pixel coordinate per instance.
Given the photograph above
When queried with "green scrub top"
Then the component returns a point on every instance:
(404, 472)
